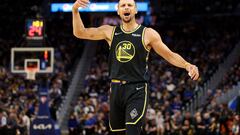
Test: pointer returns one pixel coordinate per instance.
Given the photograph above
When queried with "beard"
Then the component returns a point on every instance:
(126, 19)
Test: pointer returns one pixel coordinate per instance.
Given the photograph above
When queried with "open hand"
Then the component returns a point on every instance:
(80, 3)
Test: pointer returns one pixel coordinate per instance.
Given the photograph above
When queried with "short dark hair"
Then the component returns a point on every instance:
(133, 0)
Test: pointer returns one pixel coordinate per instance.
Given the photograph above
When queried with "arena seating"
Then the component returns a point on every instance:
(204, 32)
(18, 96)
(171, 88)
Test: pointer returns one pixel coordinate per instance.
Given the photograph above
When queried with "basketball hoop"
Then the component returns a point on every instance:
(31, 73)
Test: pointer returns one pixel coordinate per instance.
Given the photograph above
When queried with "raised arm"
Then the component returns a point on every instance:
(154, 41)
(93, 33)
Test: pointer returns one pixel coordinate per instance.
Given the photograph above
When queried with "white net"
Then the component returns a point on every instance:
(31, 73)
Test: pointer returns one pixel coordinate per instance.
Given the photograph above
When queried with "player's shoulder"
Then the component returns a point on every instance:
(149, 30)
(151, 34)
(105, 26)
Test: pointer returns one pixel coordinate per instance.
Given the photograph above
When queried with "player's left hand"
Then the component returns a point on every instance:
(192, 71)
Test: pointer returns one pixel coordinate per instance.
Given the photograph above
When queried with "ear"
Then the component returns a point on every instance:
(136, 9)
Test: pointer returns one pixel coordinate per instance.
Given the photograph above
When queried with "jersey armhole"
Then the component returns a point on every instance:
(143, 42)
(112, 36)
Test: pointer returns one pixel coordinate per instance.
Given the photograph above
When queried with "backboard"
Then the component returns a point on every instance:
(40, 58)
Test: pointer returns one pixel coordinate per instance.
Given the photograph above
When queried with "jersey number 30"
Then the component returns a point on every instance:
(127, 46)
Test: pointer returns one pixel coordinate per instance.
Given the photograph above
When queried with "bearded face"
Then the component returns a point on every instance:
(127, 10)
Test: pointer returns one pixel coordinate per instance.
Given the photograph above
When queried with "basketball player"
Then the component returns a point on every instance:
(130, 45)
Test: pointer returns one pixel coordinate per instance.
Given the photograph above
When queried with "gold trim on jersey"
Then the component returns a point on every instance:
(115, 130)
(147, 61)
(114, 28)
(118, 81)
(143, 42)
(144, 108)
(129, 32)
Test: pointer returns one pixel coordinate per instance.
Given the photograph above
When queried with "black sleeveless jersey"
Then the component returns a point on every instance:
(128, 57)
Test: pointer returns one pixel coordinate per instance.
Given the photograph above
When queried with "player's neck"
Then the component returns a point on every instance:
(130, 26)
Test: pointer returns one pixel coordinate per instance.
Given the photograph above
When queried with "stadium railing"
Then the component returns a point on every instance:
(200, 97)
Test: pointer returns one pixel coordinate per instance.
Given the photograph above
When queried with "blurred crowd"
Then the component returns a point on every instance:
(18, 96)
(201, 42)
(231, 78)
(164, 114)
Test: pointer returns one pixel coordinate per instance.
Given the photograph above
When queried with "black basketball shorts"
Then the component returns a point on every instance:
(128, 104)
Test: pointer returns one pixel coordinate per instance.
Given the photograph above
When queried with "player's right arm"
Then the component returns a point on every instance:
(93, 33)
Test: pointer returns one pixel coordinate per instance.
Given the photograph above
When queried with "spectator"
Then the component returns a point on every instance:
(72, 125)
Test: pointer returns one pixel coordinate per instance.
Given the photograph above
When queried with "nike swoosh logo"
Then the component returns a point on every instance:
(118, 33)
(139, 88)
